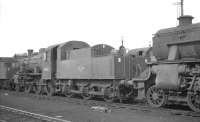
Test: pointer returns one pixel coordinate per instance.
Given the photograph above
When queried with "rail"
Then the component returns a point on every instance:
(34, 115)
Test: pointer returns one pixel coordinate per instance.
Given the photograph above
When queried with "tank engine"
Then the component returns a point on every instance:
(75, 68)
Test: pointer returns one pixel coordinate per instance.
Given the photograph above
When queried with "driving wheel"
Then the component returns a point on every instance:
(193, 101)
(156, 97)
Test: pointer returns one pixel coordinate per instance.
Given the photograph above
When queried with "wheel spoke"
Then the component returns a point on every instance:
(108, 94)
(156, 97)
(85, 93)
(193, 101)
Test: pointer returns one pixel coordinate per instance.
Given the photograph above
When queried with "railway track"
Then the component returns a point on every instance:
(9, 116)
(35, 116)
(113, 106)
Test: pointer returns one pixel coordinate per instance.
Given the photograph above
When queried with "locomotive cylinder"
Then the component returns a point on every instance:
(168, 75)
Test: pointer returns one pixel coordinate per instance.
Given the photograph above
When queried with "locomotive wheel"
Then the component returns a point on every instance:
(66, 90)
(38, 89)
(85, 93)
(156, 97)
(108, 94)
(50, 89)
(34, 89)
(193, 101)
(17, 87)
(27, 88)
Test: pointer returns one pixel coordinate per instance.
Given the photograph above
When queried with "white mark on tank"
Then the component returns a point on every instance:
(81, 68)
(45, 69)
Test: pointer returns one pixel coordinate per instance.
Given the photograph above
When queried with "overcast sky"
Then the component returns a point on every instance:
(33, 24)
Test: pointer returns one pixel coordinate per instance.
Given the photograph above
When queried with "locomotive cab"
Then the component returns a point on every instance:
(49, 62)
(8, 67)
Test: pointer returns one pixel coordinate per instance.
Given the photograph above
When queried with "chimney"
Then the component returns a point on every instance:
(30, 52)
(185, 20)
(41, 50)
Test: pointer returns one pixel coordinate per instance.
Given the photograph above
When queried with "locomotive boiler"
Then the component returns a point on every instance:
(29, 71)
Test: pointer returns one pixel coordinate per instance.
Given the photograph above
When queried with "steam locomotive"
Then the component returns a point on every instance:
(167, 71)
(177, 68)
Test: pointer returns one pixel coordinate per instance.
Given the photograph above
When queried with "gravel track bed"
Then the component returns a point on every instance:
(171, 110)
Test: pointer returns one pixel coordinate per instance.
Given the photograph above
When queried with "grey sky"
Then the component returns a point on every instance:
(35, 24)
